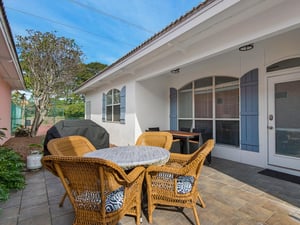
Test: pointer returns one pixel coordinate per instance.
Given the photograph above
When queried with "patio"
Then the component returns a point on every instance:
(234, 194)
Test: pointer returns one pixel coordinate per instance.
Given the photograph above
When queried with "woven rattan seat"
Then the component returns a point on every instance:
(176, 183)
(69, 146)
(156, 138)
(99, 190)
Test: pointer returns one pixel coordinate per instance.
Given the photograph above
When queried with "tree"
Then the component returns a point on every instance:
(18, 98)
(89, 70)
(74, 111)
(49, 64)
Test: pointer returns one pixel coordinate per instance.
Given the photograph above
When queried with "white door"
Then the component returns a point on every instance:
(284, 121)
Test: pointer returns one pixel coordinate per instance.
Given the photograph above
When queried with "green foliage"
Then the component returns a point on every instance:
(21, 131)
(18, 98)
(88, 71)
(11, 177)
(37, 146)
(49, 62)
(74, 111)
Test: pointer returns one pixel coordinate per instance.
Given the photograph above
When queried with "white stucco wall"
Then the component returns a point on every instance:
(120, 134)
(152, 103)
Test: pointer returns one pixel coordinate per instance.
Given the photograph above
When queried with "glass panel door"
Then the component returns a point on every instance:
(284, 121)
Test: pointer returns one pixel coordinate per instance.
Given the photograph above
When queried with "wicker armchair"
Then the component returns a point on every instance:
(156, 138)
(99, 190)
(176, 183)
(69, 146)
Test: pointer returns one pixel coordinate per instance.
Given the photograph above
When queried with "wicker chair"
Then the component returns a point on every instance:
(99, 190)
(69, 146)
(156, 138)
(176, 183)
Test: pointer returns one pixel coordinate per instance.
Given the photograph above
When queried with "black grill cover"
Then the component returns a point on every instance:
(96, 134)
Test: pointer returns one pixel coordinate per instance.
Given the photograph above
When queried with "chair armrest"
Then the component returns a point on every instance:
(182, 159)
(49, 165)
(166, 169)
(134, 174)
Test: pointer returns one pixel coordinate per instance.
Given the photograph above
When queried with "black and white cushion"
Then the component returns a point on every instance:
(92, 200)
(184, 184)
(114, 200)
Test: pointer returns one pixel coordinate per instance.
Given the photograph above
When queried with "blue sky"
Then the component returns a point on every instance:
(105, 30)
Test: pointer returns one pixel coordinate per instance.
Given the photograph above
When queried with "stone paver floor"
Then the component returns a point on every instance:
(234, 193)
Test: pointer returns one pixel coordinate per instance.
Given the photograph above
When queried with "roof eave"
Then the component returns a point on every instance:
(196, 16)
(18, 80)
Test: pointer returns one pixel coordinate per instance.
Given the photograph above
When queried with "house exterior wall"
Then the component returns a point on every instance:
(152, 103)
(10, 73)
(120, 134)
(5, 109)
(146, 106)
(147, 99)
(236, 64)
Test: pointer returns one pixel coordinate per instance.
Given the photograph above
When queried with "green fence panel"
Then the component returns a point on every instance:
(16, 117)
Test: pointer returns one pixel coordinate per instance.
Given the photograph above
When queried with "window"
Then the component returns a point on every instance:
(113, 105)
(212, 105)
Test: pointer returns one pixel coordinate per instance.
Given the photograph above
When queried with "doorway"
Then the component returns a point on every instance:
(284, 121)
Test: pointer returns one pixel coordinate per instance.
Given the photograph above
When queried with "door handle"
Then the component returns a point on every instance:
(270, 127)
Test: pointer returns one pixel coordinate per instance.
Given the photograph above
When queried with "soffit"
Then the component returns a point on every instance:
(10, 70)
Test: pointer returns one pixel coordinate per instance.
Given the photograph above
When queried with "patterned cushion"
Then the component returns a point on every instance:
(92, 200)
(114, 200)
(184, 184)
(165, 176)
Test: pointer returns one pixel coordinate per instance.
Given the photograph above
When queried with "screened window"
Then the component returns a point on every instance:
(186, 101)
(113, 105)
(211, 105)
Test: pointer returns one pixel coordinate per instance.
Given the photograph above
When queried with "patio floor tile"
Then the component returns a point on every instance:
(234, 193)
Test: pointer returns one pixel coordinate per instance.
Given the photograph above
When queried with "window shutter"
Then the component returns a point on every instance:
(103, 107)
(88, 110)
(173, 109)
(249, 111)
(122, 105)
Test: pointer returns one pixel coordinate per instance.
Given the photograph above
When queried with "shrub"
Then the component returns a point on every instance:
(11, 177)
(21, 131)
(74, 111)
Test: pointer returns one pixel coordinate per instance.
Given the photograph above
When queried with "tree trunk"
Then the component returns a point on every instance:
(37, 121)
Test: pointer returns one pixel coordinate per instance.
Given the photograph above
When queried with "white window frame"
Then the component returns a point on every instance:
(112, 105)
(213, 118)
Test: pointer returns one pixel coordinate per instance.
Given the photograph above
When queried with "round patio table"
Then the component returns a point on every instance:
(129, 157)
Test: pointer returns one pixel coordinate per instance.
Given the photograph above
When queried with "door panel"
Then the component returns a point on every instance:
(284, 121)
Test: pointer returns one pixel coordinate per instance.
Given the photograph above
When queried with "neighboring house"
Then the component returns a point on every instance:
(228, 67)
(11, 77)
